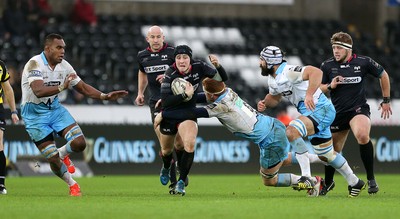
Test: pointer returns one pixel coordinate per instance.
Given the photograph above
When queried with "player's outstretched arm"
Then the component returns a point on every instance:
(92, 92)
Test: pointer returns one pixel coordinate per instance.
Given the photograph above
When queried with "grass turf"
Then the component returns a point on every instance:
(208, 196)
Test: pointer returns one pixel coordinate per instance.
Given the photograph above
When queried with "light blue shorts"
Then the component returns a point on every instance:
(324, 116)
(275, 147)
(40, 121)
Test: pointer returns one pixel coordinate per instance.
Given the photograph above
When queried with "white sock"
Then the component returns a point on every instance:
(348, 174)
(64, 150)
(67, 177)
(304, 163)
(294, 179)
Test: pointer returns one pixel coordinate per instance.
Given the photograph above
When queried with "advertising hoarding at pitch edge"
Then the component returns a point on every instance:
(128, 148)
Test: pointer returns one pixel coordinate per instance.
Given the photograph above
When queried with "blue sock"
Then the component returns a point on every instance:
(283, 180)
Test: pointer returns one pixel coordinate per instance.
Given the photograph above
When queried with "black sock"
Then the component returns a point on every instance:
(179, 154)
(2, 167)
(172, 172)
(329, 173)
(185, 165)
(166, 160)
(367, 157)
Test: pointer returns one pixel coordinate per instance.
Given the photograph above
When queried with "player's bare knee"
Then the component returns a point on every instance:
(362, 138)
(78, 144)
(189, 146)
(292, 133)
(269, 179)
(323, 158)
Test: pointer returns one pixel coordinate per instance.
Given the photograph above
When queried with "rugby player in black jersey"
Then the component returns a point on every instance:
(344, 77)
(153, 62)
(194, 71)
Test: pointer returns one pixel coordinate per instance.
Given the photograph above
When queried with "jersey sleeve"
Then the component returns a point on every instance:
(34, 71)
(139, 60)
(208, 70)
(374, 68)
(71, 70)
(325, 74)
(295, 74)
(167, 97)
(272, 86)
(3, 72)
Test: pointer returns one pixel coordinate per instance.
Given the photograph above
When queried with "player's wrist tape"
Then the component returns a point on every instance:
(184, 95)
(14, 112)
(386, 100)
(60, 87)
(103, 96)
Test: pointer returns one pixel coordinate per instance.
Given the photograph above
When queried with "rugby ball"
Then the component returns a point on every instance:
(178, 86)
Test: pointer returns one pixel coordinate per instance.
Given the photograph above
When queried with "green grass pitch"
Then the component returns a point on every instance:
(207, 196)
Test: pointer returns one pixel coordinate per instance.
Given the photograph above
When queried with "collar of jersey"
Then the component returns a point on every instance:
(162, 48)
(44, 58)
(222, 96)
(280, 68)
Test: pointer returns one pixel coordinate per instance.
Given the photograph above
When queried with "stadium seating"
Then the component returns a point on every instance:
(106, 55)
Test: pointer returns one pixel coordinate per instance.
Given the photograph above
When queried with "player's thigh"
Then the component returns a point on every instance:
(188, 131)
(167, 143)
(179, 142)
(308, 124)
(274, 148)
(339, 139)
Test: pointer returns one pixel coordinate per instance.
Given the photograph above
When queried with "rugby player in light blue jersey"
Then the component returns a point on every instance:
(300, 85)
(244, 121)
(43, 78)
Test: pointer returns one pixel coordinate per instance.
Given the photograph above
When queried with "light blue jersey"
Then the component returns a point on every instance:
(289, 83)
(44, 115)
(244, 121)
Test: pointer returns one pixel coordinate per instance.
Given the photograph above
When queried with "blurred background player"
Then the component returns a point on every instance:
(84, 13)
(348, 94)
(300, 85)
(153, 62)
(193, 71)
(244, 121)
(43, 78)
(9, 95)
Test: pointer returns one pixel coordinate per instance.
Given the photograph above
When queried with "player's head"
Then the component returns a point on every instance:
(269, 57)
(155, 37)
(183, 58)
(54, 48)
(183, 49)
(342, 45)
(213, 88)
